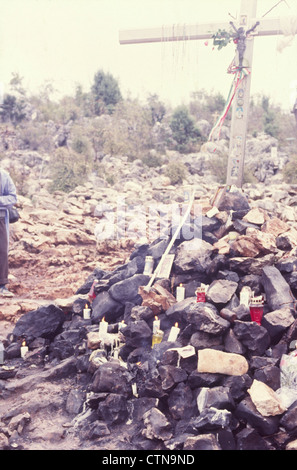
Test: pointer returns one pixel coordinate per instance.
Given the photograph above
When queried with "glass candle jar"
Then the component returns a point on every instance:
(256, 310)
(157, 337)
(200, 294)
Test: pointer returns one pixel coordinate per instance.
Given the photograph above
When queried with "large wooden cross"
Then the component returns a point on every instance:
(247, 23)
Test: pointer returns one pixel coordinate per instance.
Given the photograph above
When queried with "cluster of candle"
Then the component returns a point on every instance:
(158, 333)
(200, 293)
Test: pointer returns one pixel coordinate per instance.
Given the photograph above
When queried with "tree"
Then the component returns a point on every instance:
(129, 131)
(12, 110)
(184, 131)
(106, 93)
(14, 103)
(269, 118)
(156, 108)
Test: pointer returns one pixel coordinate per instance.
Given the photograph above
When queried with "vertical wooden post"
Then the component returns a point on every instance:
(240, 106)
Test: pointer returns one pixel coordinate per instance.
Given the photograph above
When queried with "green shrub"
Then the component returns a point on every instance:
(184, 131)
(176, 172)
(66, 170)
(218, 167)
(128, 131)
(106, 93)
(152, 161)
(290, 171)
(35, 136)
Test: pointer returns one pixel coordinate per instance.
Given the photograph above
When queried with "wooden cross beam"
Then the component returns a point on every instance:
(247, 20)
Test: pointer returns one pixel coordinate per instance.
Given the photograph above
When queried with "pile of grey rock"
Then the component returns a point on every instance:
(220, 385)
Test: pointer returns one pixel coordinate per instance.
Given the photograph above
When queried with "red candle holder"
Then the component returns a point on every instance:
(200, 293)
(256, 310)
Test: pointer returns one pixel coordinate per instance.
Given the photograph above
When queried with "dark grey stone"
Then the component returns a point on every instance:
(45, 322)
(253, 336)
(277, 290)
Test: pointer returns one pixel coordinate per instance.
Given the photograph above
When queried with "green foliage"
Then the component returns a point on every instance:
(176, 171)
(80, 143)
(264, 117)
(290, 171)
(221, 38)
(106, 93)
(218, 167)
(208, 106)
(66, 170)
(100, 122)
(269, 118)
(152, 160)
(156, 108)
(35, 136)
(84, 102)
(128, 131)
(12, 109)
(184, 131)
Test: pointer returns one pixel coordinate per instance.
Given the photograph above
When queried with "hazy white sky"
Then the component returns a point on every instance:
(67, 41)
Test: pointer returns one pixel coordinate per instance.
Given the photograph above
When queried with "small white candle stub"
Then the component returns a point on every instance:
(174, 332)
(24, 349)
(180, 293)
(87, 312)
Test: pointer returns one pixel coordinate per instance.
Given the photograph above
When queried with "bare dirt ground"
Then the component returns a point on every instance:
(50, 426)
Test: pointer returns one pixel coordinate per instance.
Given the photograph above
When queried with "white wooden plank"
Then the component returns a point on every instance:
(177, 32)
(184, 32)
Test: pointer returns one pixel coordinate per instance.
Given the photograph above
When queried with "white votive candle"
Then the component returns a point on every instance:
(103, 327)
(156, 325)
(174, 332)
(24, 350)
(87, 312)
(134, 389)
(180, 293)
